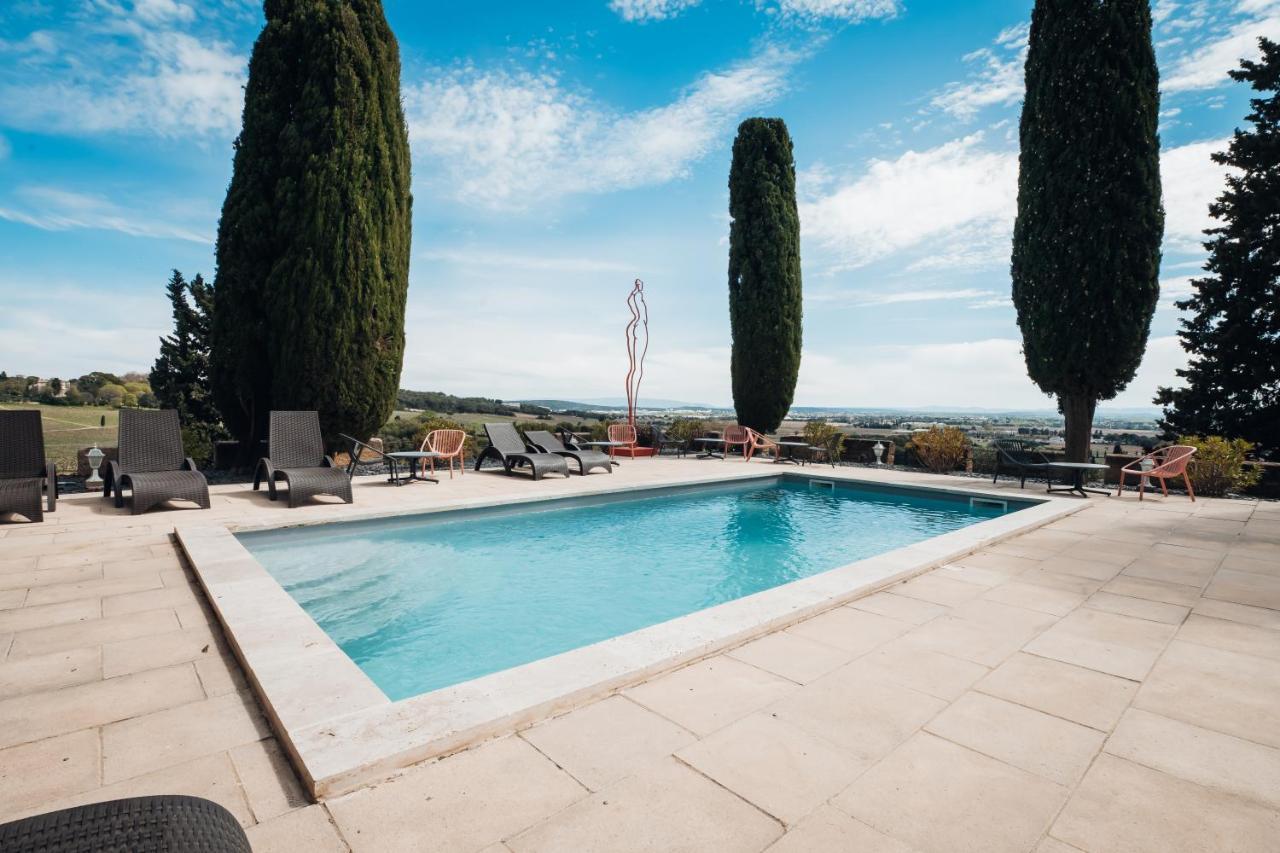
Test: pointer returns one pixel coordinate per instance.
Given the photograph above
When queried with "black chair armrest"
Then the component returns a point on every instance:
(189, 464)
(51, 473)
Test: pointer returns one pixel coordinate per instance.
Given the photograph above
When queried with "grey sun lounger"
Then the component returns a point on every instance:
(25, 475)
(152, 463)
(586, 459)
(159, 824)
(507, 447)
(295, 454)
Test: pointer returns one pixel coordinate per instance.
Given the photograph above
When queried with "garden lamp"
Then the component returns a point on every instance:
(95, 457)
(879, 451)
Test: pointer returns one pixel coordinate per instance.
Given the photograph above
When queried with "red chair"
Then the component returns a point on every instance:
(451, 444)
(739, 436)
(626, 434)
(760, 443)
(1168, 462)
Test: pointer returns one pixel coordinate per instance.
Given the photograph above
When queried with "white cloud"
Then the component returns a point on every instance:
(650, 10)
(851, 11)
(1191, 180)
(489, 259)
(998, 79)
(159, 11)
(53, 209)
(503, 140)
(954, 197)
(864, 299)
(1206, 66)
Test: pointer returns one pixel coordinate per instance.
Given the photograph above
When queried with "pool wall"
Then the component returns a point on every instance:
(342, 732)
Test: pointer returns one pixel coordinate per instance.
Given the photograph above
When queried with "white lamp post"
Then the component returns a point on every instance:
(879, 451)
(94, 457)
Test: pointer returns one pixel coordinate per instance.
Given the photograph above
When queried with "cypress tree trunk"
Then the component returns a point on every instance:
(765, 300)
(313, 244)
(1086, 242)
(1233, 331)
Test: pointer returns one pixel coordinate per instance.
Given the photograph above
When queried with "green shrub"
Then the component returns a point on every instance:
(1218, 466)
(819, 433)
(686, 429)
(940, 449)
(198, 442)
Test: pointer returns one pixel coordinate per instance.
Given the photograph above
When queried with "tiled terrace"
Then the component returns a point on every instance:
(1108, 682)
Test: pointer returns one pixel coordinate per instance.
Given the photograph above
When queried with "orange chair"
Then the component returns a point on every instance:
(760, 442)
(450, 444)
(626, 434)
(739, 436)
(1168, 462)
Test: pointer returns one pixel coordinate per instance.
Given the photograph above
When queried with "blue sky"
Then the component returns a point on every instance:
(563, 149)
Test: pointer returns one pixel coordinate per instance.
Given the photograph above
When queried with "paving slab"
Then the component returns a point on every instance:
(829, 830)
(306, 829)
(1071, 692)
(1107, 642)
(907, 609)
(855, 631)
(710, 694)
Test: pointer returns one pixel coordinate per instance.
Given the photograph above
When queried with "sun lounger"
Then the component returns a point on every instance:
(24, 472)
(152, 464)
(586, 459)
(508, 448)
(296, 456)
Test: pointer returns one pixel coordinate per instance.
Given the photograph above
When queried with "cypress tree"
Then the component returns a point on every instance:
(1233, 333)
(180, 376)
(765, 302)
(1086, 242)
(313, 244)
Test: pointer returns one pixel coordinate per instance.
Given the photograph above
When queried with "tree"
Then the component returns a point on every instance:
(765, 304)
(1233, 333)
(1086, 241)
(313, 243)
(180, 376)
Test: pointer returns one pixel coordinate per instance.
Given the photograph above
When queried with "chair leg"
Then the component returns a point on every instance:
(1187, 481)
(1142, 487)
(1164, 487)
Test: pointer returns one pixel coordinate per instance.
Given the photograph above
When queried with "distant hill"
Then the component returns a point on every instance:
(618, 403)
(447, 404)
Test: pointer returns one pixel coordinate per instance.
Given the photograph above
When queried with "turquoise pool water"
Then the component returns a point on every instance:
(429, 601)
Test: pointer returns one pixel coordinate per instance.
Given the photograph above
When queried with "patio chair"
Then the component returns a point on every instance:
(508, 448)
(295, 454)
(662, 440)
(758, 442)
(1014, 455)
(160, 824)
(451, 444)
(152, 463)
(24, 472)
(1167, 463)
(737, 436)
(586, 459)
(626, 434)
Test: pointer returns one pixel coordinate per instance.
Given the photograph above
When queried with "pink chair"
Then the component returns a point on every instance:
(626, 434)
(1168, 462)
(450, 444)
(760, 443)
(740, 436)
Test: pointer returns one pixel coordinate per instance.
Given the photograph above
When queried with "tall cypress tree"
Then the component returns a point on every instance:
(765, 302)
(1086, 242)
(313, 245)
(180, 376)
(1233, 333)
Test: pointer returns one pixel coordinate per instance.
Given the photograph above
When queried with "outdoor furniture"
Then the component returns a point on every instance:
(1167, 462)
(24, 472)
(507, 447)
(787, 447)
(446, 444)
(737, 436)
(1077, 470)
(625, 442)
(295, 454)
(152, 463)
(586, 459)
(1014, 455)
(758, 441)
(409, 458)
(709, 445)
(662, 440)
(158, 824)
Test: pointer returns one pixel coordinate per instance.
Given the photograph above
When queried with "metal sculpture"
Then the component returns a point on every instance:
(635, 352)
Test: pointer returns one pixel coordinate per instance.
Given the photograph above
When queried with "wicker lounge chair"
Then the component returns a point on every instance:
(1167, 463)
(24, 472)
(152, 463)
(586, 459)
(506, 446)
(162, 824)
(296, 456)
(1014, 456)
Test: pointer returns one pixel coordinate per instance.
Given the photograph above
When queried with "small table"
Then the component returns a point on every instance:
(1078, 470)
(709, 448)
(790, 456)
(602, 445)
(411, 458)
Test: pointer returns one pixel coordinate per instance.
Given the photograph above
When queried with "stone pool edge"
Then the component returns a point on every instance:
(342, 733)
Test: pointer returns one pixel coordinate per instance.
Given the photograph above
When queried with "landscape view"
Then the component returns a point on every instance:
(720, 425)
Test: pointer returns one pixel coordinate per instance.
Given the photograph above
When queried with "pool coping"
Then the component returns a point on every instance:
(342, 732)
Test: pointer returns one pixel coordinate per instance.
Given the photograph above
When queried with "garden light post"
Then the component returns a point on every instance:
(94, 457)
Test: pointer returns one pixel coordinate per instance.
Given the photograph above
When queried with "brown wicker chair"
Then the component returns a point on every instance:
(152, 463)
(24, 472)
(296, 456)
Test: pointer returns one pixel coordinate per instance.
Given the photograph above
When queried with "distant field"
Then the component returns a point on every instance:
(69, 428)
(472, 418)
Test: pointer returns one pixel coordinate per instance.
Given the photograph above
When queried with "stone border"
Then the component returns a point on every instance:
(342, 732)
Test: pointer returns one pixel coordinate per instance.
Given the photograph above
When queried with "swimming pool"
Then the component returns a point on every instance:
(425, 602)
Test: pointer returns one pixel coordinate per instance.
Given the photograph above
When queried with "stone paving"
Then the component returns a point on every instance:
(1110, 682)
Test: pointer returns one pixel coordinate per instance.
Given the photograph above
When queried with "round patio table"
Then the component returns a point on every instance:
(411, 458)
(790, 457)
(1077, 471)
(709, 448)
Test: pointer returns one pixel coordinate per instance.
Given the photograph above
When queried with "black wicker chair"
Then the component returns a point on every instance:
(586, 459)
(296, 456)
(24, 472)
(663, 440)
(1014, 456)
(164, 824)
(506, 446)
(152, 463)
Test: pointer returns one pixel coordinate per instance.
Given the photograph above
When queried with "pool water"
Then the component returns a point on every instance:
(429, 601)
